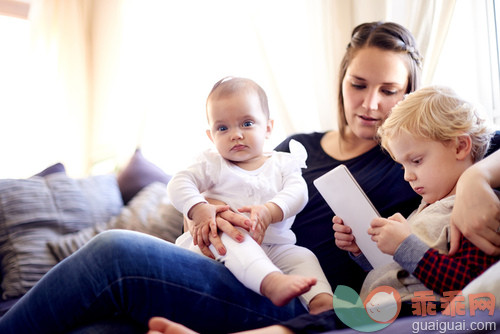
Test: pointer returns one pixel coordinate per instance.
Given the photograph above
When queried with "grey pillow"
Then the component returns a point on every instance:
(150, 211)
(137, 174)
(36, 210)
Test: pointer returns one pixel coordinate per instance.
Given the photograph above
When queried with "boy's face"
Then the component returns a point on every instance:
(432, 168)
(238, 127)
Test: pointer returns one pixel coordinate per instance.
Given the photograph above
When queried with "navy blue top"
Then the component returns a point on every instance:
(381, 178)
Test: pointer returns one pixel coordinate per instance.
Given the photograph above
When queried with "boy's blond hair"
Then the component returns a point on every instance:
(437, 113)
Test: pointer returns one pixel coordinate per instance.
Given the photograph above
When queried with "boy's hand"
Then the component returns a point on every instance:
(389, 233)
(260, 218)
(344, 239)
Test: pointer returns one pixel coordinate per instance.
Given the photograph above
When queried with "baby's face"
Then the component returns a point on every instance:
(239, 128)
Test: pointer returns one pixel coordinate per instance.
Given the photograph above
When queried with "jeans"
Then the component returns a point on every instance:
(133, 276)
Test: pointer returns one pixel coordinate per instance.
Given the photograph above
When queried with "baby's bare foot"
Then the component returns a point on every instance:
(159, 325)
(281, 288)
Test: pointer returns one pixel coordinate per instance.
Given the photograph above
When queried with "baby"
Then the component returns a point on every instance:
(267, 186)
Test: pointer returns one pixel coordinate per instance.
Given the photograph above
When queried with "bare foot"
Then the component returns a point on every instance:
(159, 325)
(281, 288)
(321, 303)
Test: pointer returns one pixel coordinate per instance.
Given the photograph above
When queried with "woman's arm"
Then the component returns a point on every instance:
(476, 213)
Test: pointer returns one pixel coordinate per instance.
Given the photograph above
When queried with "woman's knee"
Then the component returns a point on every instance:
(114, 244)
(110, 239)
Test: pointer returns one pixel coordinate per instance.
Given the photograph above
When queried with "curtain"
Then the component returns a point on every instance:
(135, 73)
(69, 39)
(428, 20)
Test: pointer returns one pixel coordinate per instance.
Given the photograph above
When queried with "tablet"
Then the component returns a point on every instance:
(346, 198)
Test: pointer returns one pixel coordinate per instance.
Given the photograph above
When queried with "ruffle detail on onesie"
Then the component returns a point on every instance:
(298, 153)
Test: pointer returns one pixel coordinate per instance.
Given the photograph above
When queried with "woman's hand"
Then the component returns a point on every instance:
(389, 233)
(476, 212)
(344, 239)
(225, 221)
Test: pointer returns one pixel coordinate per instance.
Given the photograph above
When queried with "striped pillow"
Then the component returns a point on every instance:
(39, 209)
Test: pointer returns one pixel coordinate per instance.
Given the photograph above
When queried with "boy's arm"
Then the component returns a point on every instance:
(441, 272)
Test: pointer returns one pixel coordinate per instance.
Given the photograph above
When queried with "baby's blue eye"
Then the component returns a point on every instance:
(247, 124)
(222, 128)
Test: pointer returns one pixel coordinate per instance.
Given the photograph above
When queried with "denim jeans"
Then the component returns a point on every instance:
(133, 276)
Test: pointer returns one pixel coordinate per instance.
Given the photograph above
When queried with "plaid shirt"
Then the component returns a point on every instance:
(441, 272)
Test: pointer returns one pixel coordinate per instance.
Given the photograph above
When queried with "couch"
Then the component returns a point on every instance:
(46, 217)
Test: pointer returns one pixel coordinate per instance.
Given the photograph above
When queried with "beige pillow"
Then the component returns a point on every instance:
(489, 281)
(150, 211)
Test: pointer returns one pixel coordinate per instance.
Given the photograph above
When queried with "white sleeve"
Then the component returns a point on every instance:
(186, 187)
(293, 196)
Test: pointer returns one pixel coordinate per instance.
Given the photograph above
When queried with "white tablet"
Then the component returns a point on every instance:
(346, 198)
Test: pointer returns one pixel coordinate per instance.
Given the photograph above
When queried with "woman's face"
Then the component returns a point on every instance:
(374, 82)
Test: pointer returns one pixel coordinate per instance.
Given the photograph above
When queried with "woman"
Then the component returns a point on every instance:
(122, 274)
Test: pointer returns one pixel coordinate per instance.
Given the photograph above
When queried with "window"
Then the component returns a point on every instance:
(469, 58)
(494, 40)
(152, 103)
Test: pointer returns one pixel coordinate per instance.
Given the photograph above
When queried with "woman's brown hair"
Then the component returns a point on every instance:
(386, 36)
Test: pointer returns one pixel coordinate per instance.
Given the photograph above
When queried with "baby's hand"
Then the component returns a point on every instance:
(260, 218)
(344, 239)
(389, 233)
(202, 216)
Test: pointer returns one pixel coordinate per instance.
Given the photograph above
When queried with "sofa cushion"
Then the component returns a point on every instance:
(150, 211)
(137, 174)
(38, 209)
(489, 281)
(55, 168)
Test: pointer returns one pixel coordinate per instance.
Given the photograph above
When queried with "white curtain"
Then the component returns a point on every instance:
(128, 73)
(69, 43)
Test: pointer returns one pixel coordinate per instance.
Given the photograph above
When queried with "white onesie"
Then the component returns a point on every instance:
(278, 180)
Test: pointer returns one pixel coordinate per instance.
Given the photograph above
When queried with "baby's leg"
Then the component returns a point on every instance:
(251, 266)
(296, 260)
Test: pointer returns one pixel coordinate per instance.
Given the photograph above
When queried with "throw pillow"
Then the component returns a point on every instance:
(56, 168)
(139, 173)
(489, 281)
(38, 209)
(150, 211)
